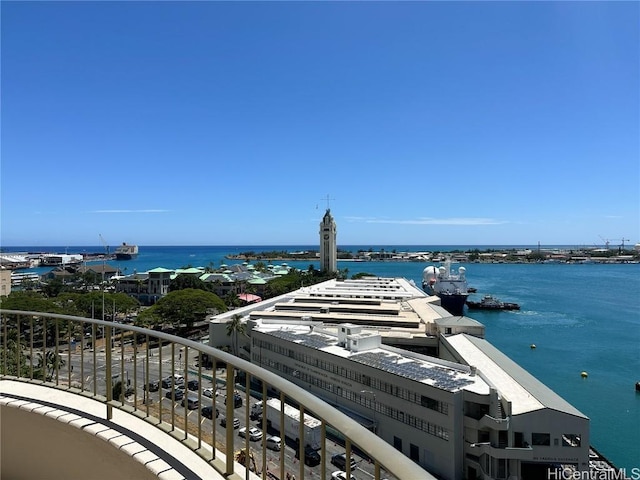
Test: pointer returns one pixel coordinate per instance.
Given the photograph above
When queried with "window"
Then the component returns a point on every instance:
(414, 452)
(434, 404)
(429, 403)
(518, 440)
(541, 439)
(397, 443)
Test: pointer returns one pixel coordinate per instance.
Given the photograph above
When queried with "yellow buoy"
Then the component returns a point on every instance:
(533, 345)
(584, 374)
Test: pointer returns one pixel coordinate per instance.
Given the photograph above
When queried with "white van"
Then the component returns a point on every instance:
(274, 443)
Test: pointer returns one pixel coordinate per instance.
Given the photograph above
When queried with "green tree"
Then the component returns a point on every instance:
(53, 287)
(358, 275)
(232, 300)
(536, 256)
(12, 357)
(185, 281)
(235, 327)
(182, 308)
(47, 364)
(30, 301)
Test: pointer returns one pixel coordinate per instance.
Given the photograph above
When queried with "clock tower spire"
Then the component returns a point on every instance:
(328, 245)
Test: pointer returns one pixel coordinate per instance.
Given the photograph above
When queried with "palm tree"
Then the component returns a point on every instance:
(48, 364)
(234, 327)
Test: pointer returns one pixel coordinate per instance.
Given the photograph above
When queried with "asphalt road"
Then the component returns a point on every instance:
(157, 370)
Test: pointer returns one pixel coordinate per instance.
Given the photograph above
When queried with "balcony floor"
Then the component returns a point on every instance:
(137, 445)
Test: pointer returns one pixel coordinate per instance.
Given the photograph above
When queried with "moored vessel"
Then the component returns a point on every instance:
(491, 303)
(450, 287)
(126, 252)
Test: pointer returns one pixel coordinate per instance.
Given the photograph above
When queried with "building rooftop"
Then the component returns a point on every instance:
(420, 368)
(458, 321)
(525, 392)
(394, 306)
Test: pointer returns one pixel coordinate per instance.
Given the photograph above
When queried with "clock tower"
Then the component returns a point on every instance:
(328, 245)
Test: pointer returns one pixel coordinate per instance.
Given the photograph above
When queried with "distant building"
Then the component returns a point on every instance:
(159, 280)
(5, 282)
(99, 269)
(60, 259)
(328, 243)
(136, 284)
(14, 261)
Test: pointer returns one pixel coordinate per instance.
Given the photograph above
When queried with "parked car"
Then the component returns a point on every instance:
(172, 379)
(193, 385)
(153, 386)
(210, 392)
(191, 402)
(274, 443)
(339, 475)
(207, 412)
(311, 456)
(254, 433)
(340, 461)
(236, 422)
(178, 394)
(237, 400)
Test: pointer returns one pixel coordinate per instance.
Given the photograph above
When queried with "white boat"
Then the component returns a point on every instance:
(126, 252)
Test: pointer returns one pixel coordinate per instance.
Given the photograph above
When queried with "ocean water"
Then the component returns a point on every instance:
(581, 317)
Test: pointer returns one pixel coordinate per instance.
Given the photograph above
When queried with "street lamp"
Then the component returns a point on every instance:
(375, 405)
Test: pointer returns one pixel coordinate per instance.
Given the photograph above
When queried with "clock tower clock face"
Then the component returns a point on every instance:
(326, 236)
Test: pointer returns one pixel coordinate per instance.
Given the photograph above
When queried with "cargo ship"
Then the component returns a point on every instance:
(126, 252)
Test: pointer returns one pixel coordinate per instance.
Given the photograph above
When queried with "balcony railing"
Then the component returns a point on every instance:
(123, 366)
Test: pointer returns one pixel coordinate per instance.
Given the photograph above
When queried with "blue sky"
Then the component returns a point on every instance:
(230, 123)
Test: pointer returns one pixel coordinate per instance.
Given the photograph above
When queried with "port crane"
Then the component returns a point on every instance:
(624, 240)
(104, 244)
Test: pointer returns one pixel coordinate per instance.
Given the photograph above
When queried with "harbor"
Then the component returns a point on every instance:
(459, 255)
(562, 314)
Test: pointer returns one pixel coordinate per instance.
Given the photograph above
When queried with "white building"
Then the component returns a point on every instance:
(468, 411)
(489, 419)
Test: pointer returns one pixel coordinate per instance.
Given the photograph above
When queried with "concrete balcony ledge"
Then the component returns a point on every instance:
(487, 421)
(49, 433)
(507, 453)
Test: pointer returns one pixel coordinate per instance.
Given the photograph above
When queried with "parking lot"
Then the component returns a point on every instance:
(216, 407)
(187, 397)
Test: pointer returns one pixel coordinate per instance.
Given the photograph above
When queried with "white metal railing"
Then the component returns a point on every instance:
(45, 348)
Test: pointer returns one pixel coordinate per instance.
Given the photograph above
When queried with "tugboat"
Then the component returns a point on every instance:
(490, 303)
(450, 287)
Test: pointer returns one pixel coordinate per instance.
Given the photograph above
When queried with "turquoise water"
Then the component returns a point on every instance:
(580, 317)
